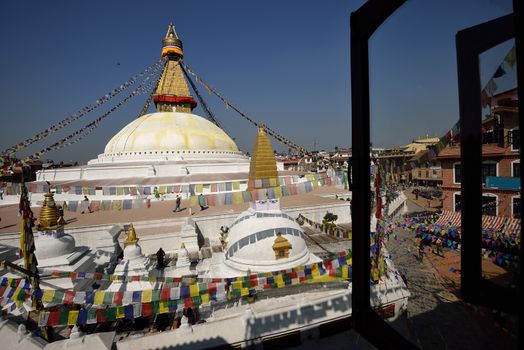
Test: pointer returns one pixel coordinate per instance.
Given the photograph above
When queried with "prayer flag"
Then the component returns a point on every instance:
(82, 317)
(128, 312)
(147, 296)
(73, 316)
(120, 312)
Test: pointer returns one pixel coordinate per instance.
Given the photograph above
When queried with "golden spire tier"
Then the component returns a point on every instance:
(172, 93)
(263, 166)
(131, 238)
(49, 218)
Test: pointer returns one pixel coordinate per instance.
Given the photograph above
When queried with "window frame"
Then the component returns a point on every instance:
(364, 23)
(512, 206)
(512, 170)
(455, 175)
(489, 162)
(489, 194)
(512, 142)
(455, 194)
(470, 43)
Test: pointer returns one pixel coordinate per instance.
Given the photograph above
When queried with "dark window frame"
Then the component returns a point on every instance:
(470, 43)
(364, 23)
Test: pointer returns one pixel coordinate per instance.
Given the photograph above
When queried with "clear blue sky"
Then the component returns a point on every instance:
(282, 62)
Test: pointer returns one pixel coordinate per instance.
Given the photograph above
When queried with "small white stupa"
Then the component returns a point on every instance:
(134, 263)
(57, 251)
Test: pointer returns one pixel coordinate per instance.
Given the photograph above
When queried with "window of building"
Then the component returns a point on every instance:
(515, 207)
(515, 168)
(489, 204)
(489, 168)
(457, 173)
(514, 139)
(457, 202)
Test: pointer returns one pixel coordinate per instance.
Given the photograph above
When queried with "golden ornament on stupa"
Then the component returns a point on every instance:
(263, 165)
(131, 236)
(49, 218)
(281, 247)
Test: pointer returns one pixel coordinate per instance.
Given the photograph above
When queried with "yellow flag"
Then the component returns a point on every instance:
(273, 181)
(99, 298)
(345, 271)
(72, 317)
(193, 200)
(48, 296)
(193, 290)
(205, 298)
(119, 312)
(147, 296)
(279, 281)
(163, 307)
(244, 292)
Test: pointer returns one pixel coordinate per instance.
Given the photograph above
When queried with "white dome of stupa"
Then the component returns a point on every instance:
(51, 246)
(170, 133)
(254, 234)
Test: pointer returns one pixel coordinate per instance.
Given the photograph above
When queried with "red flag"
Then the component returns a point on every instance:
(117, 298)
(165, 294)
(69, 295)
(147, 309)
(54, 317)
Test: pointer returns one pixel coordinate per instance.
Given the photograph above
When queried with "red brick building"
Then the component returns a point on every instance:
(500, 167)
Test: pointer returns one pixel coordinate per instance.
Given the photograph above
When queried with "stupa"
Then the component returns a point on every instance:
(263, 238)
(170, 147)
(134, 263)
(57, 251)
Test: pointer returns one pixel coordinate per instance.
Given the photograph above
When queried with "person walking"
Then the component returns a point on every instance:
(178, 201)
(1, 193)
(85, 205)
(202, 201)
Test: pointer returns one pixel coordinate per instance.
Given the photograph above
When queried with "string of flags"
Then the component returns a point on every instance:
(330, 230)
(78, 307)
(228, 105)
(81, 112)
(491, 86)
(88, 128)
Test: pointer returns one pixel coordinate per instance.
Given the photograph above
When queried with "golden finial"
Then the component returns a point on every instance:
(263, 165)
(131, 236)
(183, 246)
(49, 218)
(171, 44)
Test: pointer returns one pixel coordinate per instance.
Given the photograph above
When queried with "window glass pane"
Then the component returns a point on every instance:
(458, 173)
(516, 169)
(516, 208)
(488, 169)
(489, 205)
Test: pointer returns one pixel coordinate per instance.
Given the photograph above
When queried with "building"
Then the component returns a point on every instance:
(500, 167)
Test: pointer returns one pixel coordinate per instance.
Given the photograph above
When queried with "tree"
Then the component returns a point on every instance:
(329, 219)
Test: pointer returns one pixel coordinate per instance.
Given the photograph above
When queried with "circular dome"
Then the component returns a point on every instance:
(170, 131)
(254, 238)
(51, 247)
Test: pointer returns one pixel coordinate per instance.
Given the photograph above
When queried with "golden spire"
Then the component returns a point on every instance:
(172, 93)
(131, 236)
(263, 165)
(49, 218)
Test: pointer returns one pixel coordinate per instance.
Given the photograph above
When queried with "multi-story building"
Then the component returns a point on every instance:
(500, 167)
